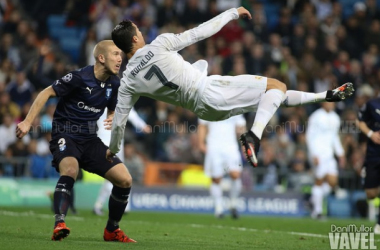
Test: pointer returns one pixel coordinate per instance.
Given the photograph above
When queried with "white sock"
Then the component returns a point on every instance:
(235, 191)
(268, 105)
(296, 98)
(317, 199)
(217, 194)
(326, 189)
(104, 194)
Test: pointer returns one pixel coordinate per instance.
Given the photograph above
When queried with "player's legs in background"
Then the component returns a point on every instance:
(68, 169)
(216, 193)
(235, 191)
(373, 193)
(317, 198)
(104, 194)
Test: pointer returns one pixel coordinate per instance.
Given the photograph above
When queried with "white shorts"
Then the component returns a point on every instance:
(327, 166)
(218, 163)
(226, 96)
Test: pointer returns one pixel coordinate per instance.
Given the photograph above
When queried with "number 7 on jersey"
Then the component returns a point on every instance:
(155, 70)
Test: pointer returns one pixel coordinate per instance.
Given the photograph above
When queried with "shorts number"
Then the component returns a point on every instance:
(62, 144)
(154, 70)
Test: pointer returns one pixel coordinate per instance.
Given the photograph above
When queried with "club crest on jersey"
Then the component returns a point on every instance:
(68, 77)
(108, 93)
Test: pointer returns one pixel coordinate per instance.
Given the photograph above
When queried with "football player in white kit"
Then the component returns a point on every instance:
(104, 134)
(222, 156)
(157, 71)
(322, 138)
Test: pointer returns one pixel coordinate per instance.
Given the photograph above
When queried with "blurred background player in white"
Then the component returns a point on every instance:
(322, 137)
(218, 141)
(105, 136)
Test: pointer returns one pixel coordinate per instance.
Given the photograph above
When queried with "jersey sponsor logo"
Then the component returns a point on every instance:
(82, 105)
(68, 77)
(143, 62)
(108, 93)
(89, 89)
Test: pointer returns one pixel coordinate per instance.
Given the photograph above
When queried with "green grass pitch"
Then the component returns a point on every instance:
(31, 228)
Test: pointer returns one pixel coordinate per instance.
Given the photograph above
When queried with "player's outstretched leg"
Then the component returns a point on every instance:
(251, 145)
(269, 102)
(295, 98)
(340, 93)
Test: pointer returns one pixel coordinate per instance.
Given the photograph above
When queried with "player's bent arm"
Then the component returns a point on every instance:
(125, 103)
(311, 134)
(41, 99)
(202, 133)
(372, 135)
(118, 126)
(363, 127)
(179, 41)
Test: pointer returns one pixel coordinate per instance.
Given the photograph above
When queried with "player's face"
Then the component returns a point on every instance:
(113, 60)
(139, 36)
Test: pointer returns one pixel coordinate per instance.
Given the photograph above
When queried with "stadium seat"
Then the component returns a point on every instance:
(71, 45)
(55, 24)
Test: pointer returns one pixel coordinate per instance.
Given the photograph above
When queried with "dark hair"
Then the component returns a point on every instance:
(122, 35)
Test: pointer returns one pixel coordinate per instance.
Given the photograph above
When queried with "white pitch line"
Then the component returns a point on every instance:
(31, 213)
(77, 218)
(265, 231)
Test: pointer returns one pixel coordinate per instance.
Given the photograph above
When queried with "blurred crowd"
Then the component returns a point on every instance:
(311, 45)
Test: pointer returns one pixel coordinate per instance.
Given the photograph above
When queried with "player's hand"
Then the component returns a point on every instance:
(147, 129)
(375, 137)
(22, 129)
(108, 123)
(109, 155)
(244, 13)
(315, 161)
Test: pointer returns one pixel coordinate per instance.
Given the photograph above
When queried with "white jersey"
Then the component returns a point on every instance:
(159, 72)
(322, 135)
(221, 135)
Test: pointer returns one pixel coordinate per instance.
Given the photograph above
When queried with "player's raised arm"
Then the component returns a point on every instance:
(179, 41)
(24, 126)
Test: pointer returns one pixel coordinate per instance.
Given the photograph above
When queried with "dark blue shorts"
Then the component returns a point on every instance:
(90, 154)
(371, 175)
